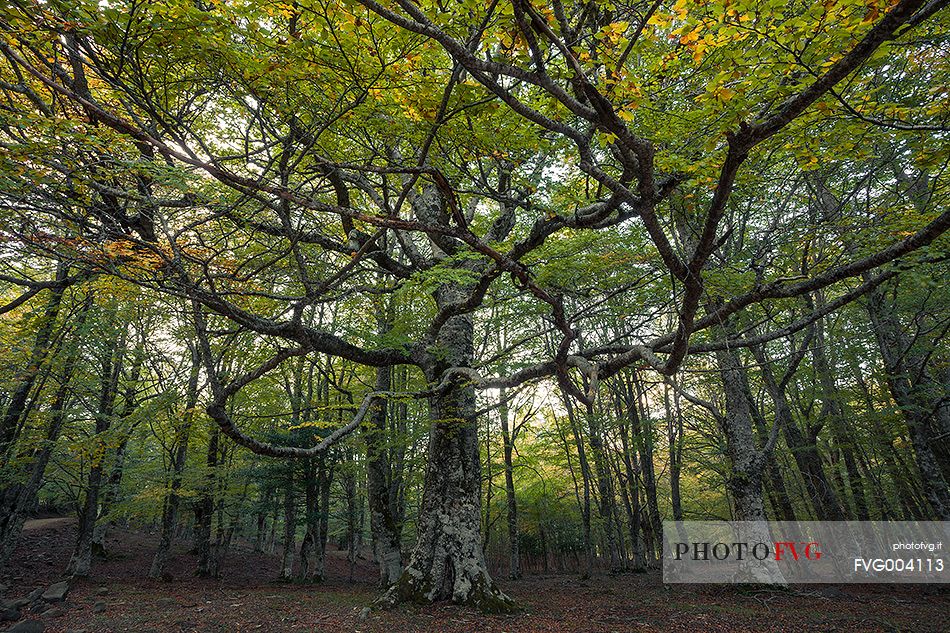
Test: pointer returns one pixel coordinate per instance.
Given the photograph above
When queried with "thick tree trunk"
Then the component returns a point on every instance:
(447, 562)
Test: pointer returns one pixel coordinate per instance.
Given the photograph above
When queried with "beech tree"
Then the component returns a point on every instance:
(353, 185)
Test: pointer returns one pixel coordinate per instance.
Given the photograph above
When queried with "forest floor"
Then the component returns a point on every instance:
(118, 597)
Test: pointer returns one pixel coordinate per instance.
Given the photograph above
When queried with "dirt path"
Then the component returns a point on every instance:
(53, 523)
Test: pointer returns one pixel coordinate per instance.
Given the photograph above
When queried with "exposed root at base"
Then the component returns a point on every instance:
(489, 600)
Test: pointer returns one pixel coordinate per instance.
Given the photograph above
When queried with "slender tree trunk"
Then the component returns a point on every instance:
(745, 481)
(631, 491)
(398, 427)
(805, 453)
(385, 530)
(318, 479)
(543, 537)
(489, 488)
(349, 488)
(113, 487)
(675, 438)
(774, 482)
(18, 497)
(833, 411)
(110, 497)
(324, 481)
(81, 560)
(223, 529)
(941, 382)
(17, 405)
(179, 456)
(901, 365)
(260, 534)
(586, 476)
(272, 533)
(309, 545)
(204, 511)
(641, 428)
(290, 529)
(577, 488)
(908, 497)
(604, 488)
(514, 552)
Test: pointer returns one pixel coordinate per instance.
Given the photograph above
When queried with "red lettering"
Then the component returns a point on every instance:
(780, 547)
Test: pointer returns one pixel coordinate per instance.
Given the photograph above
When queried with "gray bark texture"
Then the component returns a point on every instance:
(447, 562)
(747, 463)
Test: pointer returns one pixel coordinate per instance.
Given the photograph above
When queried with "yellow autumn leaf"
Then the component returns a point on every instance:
(690, 37)
(725, 94)
(698, 51)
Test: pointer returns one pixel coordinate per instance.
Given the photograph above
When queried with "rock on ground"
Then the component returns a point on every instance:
(27, 626)
(56, 592)
(9, 614)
